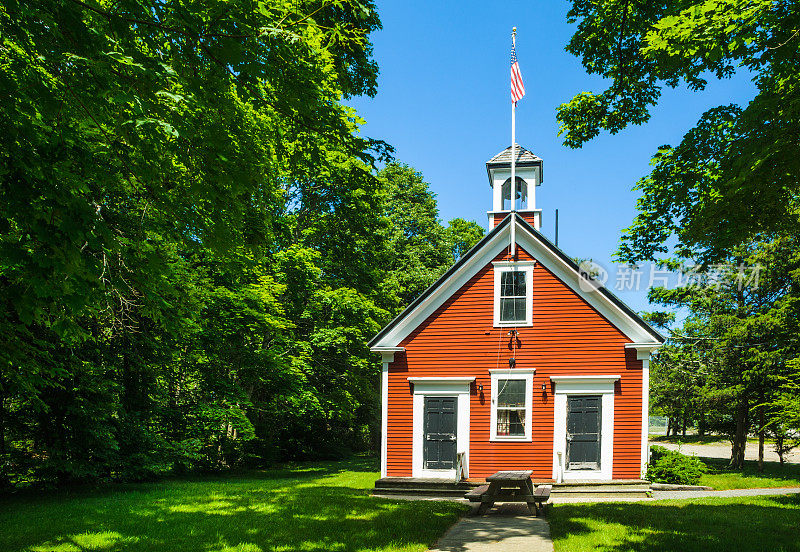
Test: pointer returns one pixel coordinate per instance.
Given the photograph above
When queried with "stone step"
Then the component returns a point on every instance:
(424, 491)
(599, 494)
(423, 483)
(600, 488)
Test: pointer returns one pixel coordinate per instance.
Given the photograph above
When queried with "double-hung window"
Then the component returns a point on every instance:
(512, 394)
(513, 294)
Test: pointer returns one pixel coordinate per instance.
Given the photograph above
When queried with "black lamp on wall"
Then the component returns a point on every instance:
(544, 389)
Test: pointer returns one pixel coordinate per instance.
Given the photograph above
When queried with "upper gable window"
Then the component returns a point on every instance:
(513, 293)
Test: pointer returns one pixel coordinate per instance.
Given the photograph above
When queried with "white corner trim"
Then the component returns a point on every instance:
(645, 415)
(525, 374)
(643, 350)
(439, 386)
(501, 267)
(385, 413)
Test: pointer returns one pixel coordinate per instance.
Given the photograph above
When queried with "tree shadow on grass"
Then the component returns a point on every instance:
(729, 524)
(311, 517)
(789, 472)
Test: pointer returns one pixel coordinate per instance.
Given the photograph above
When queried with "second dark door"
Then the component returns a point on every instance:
(439, 448)
(583, 432)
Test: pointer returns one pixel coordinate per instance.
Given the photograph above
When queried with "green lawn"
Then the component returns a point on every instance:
(702, 525)
(311, 507)
(774, 475)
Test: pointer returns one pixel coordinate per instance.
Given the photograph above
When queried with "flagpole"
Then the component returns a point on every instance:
(513, 187)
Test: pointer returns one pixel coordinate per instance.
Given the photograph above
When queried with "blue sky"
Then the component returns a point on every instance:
(443, 103)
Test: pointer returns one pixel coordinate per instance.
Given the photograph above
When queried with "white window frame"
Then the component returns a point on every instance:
(501, 267)
(525, 374)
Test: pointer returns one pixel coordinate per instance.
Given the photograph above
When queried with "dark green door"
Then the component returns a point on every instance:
(583, 432)
(439, 449)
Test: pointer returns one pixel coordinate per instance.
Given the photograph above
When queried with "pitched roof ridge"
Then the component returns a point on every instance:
(523, 155)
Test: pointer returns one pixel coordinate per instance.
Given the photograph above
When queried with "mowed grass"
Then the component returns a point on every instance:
(312, 507)
(701, 525)
(774, 475)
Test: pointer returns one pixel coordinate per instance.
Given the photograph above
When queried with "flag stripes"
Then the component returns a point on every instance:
(517, 86)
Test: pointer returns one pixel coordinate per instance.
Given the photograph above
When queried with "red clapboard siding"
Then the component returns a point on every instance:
(529, 217)
(568, 337)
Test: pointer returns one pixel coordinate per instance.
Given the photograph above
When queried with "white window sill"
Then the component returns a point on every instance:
(512, 324)
(511, 439)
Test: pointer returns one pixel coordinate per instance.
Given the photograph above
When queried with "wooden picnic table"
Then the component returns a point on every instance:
(510, 486)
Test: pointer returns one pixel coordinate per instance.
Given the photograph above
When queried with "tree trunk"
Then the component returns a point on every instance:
(669, 425)
(701, 424)
(779, 447)
(761, 432)
(739, 440)
(683, 427)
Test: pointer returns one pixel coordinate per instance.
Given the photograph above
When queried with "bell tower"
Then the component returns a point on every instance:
(519, 197)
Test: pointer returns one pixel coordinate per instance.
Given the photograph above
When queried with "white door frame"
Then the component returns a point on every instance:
(583, 385)
(439, 386)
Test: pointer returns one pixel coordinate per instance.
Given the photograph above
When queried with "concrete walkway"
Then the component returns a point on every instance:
(723, 450)
(506, 528)
(681, 495)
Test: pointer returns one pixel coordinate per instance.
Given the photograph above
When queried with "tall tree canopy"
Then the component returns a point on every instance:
(737, 350)
(193, 238)
(734, 176)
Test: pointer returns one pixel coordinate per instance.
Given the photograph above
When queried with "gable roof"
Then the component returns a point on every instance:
(558, 262)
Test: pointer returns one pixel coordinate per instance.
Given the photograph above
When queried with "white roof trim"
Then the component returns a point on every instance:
(564, 272)
(544, 256)
(445, 290)
(387, 349)
(643, 350)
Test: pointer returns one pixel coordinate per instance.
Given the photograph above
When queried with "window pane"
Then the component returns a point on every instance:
(512, 283)
(511, 393)
(511, 423)
(512, 310)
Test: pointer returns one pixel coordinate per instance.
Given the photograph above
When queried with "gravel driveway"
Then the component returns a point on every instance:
(723, 450)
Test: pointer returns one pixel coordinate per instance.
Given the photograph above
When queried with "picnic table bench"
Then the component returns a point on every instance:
(510, 486)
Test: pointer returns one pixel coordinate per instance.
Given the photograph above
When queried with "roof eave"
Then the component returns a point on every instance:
(460, 262)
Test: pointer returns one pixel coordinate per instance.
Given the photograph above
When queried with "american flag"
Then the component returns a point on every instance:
(517, 87)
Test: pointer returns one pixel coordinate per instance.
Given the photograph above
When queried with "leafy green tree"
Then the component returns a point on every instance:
(149, 151)
(737, 349)
(736, 174)
(423, 249)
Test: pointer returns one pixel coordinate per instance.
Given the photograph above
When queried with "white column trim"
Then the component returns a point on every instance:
(386, 358)
(645, 414)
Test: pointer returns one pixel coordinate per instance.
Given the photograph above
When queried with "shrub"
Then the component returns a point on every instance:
(669, 466)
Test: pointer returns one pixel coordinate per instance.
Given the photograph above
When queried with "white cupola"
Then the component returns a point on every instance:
(522, 200)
